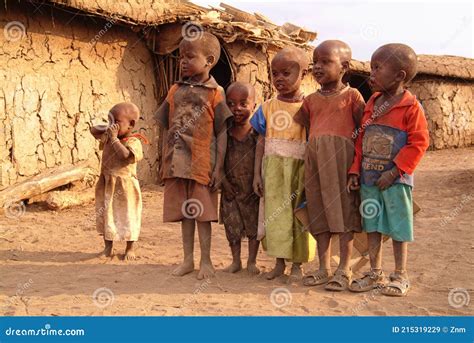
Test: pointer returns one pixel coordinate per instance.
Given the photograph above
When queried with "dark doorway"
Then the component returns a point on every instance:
(360, 82)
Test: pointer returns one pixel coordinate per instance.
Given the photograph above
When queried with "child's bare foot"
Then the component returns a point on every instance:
(206, 271)
(108, 249)
(252, 268)
(234, 267)
(130, 252)
(184, 268)
(296, 272)
(279, 269)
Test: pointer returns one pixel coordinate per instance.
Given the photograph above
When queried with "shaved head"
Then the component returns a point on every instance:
(337, 47)
(128, 109)
(242, 87)
(400, 57)
(293, 54)
(205, 42)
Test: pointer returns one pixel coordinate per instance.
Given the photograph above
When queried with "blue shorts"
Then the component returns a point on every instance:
(389, 212)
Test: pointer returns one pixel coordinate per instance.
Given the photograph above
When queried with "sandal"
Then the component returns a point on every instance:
(339, 282)
(319, 277)
(368, 282)
(398, 286)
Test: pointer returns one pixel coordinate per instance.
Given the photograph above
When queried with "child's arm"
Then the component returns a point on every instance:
(358, 105)
(218, 171)
(120, 150)
(418, 141)
(257, 172)
(354, 171)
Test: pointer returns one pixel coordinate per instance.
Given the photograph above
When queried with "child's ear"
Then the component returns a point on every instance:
(132, 123)
(304, 73)
(211, 60)
(401, 75)
(345, 66)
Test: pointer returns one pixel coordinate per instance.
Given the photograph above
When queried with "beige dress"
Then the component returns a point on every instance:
(118, 200)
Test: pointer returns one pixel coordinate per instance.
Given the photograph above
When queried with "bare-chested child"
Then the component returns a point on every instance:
(239, 203)
(118, 200)
(195, 116)
(331, 115)
(393, 140)
(279, 166)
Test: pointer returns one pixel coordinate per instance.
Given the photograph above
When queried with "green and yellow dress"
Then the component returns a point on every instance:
(283, 181)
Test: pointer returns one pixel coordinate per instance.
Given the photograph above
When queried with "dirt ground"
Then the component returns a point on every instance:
(48, 263)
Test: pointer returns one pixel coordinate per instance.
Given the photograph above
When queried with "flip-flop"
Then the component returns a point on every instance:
(319, 277)
(397, 287)
(368, 282)
(339, 282)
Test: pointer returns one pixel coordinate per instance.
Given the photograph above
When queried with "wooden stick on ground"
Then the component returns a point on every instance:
(46, 181)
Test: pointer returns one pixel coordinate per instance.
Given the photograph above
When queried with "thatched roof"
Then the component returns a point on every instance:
(432, 65)
(227, 22)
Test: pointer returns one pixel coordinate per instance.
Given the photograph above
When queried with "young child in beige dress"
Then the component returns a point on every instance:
(118, 200)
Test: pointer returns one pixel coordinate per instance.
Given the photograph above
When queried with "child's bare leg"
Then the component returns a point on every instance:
(252, 268)
(375, 250)
(279, 269)
(400, 251)
(206, 269)
(400, 276)
(323, 241)
(108, 248)
(342, 277)
(130, 251)
(236, 264)
(346, 243)
(187, 229)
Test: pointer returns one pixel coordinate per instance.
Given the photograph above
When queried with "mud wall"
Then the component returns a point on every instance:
(449, 110)
(59, 73)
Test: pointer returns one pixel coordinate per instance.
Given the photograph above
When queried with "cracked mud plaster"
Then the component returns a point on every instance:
(448, 107)
(54, 84)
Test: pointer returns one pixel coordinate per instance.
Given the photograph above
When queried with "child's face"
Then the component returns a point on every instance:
(327, 65)
(383, 75)
(241, 104)
(286, 75)
(123, 120)
(192, 60)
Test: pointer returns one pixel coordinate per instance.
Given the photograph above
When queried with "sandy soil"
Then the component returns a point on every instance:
(48, 263)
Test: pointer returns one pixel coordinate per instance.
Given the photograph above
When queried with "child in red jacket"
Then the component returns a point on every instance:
(392, 140)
